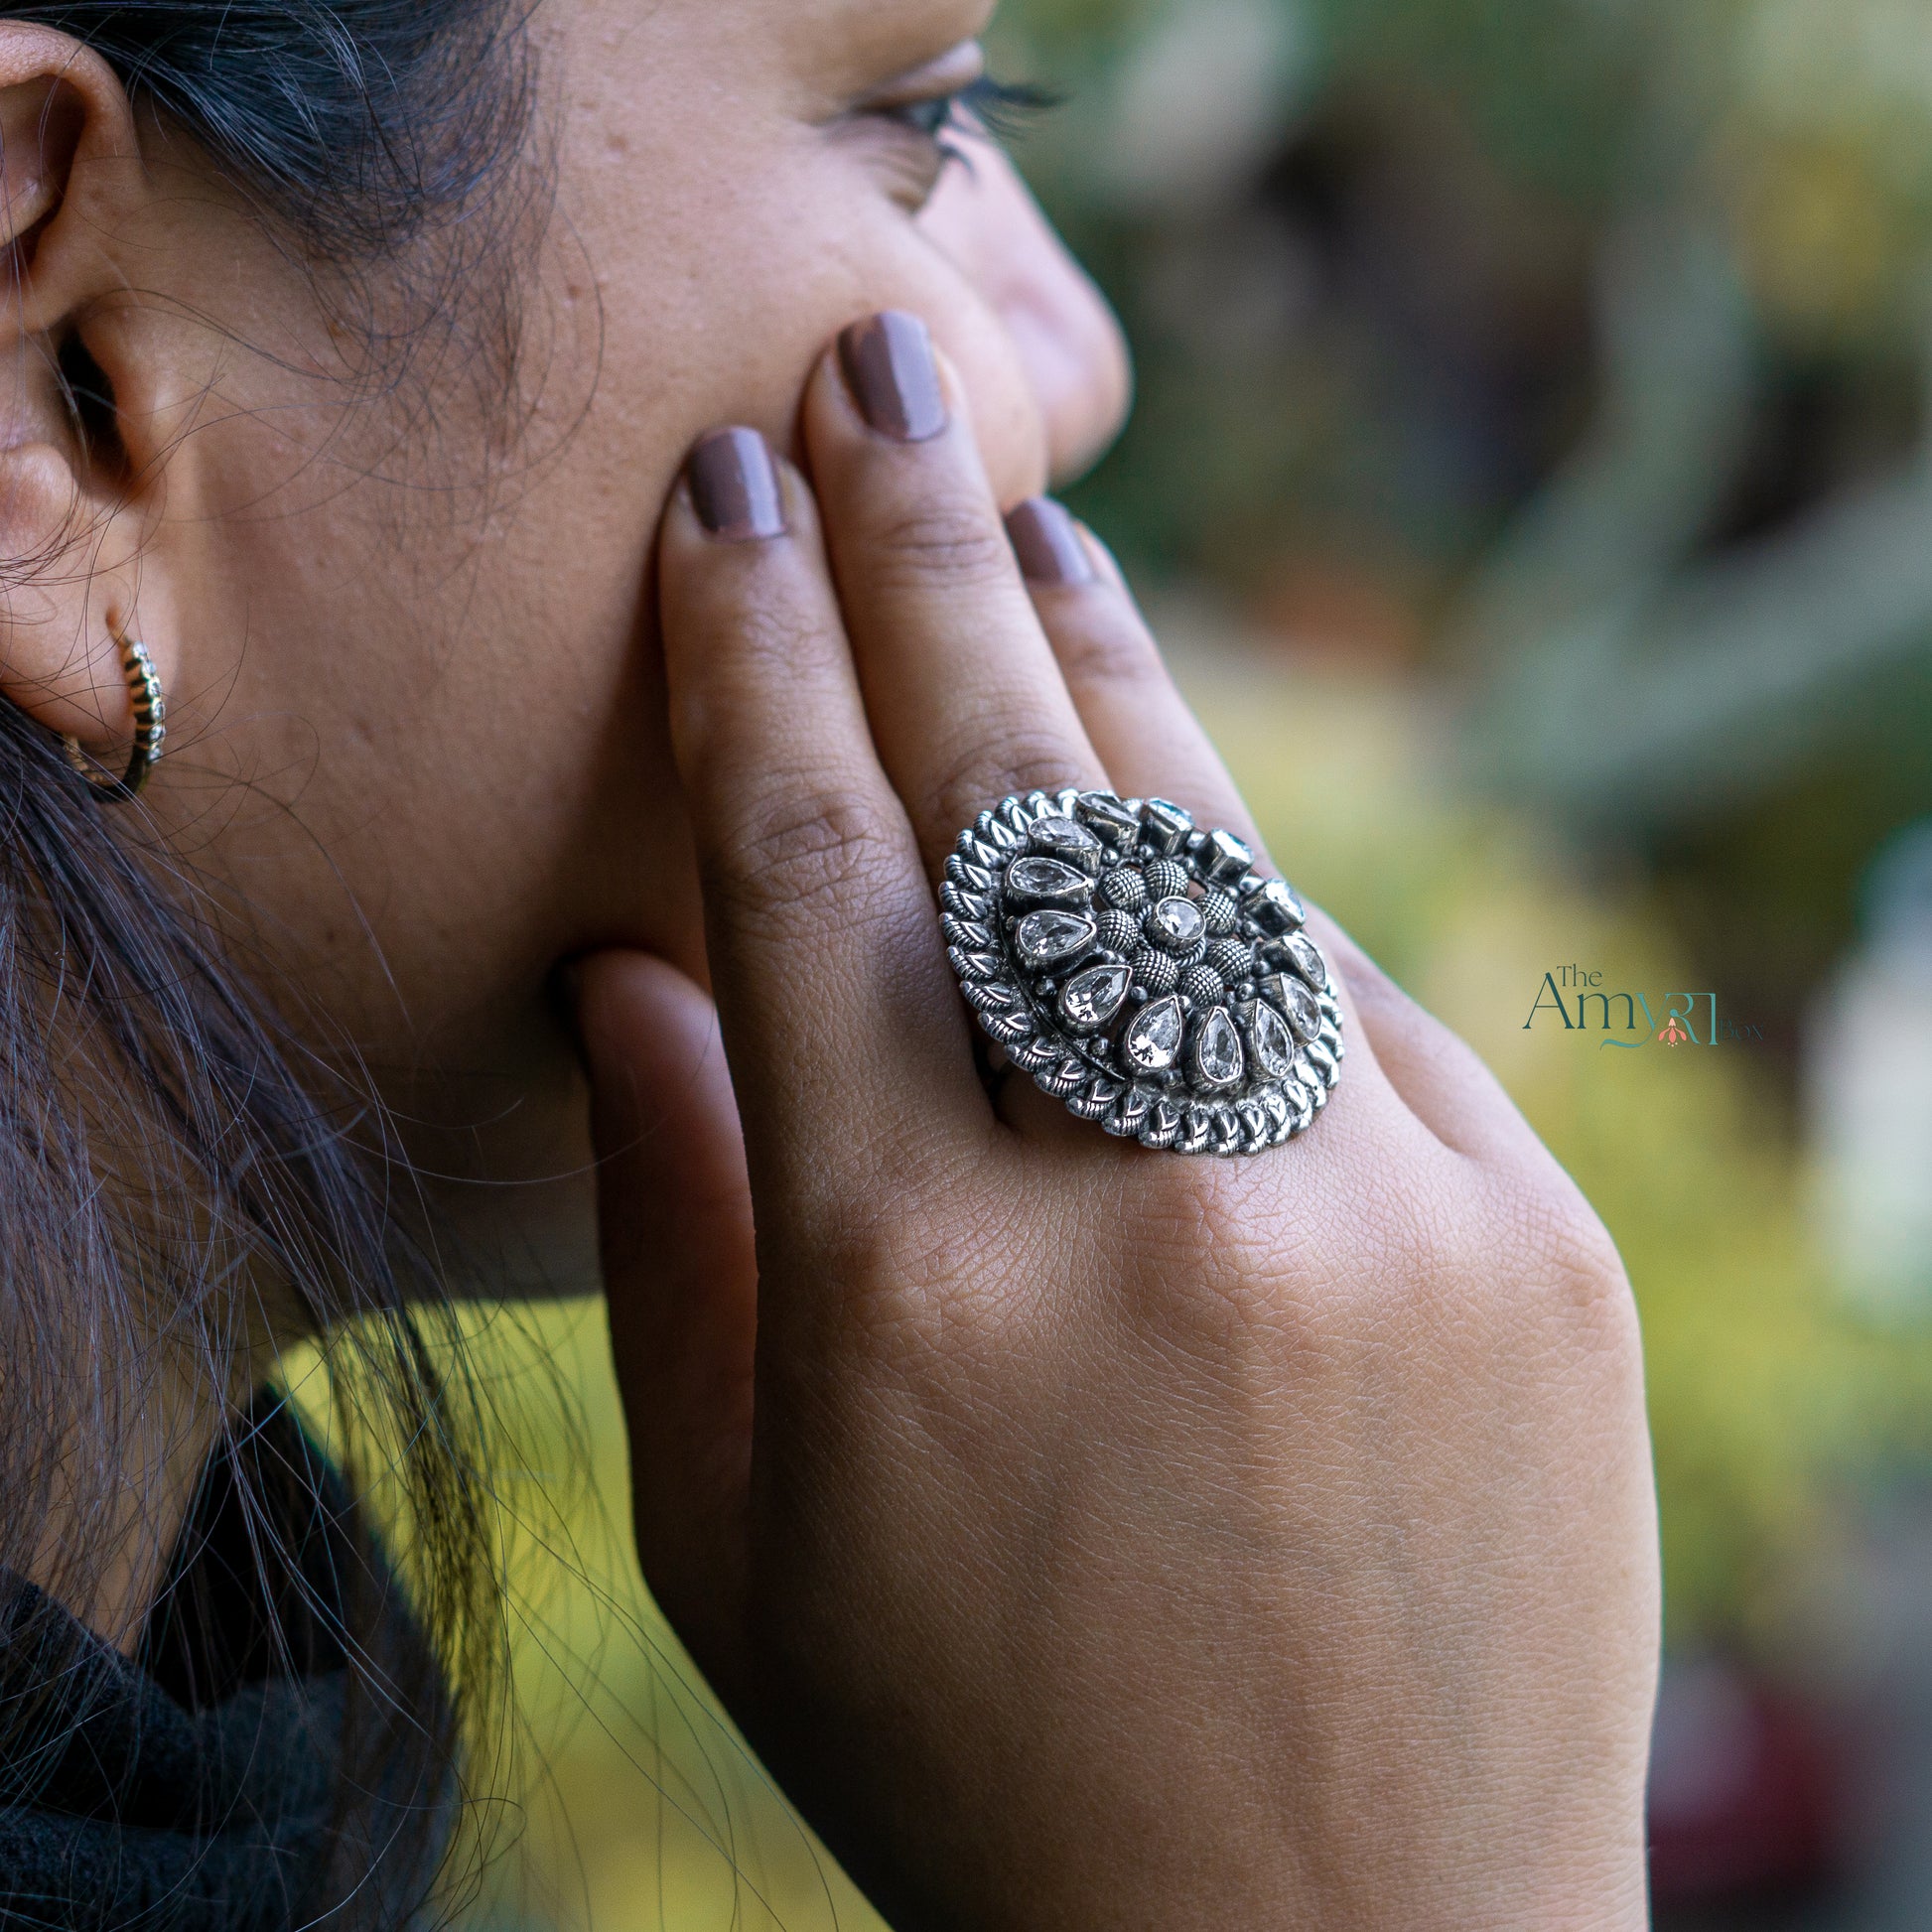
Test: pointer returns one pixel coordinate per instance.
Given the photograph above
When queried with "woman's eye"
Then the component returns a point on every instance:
(929, 117)
(998, 107)
(921, 124)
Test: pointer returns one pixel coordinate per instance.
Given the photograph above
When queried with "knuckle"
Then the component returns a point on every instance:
(1103, 652)
(915, 1295)
(1023, 759)
(774, 639)
(1574, 1269)
(947, 542)
(1525, 1271)
(794, 849)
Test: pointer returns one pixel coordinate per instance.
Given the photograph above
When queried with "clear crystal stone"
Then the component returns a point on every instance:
(1175, 924)
(1045, 939)
(1274, 1044)
(1297, 1003)
(1063, 838)
(1108, 816)
(1305, 960)
(1047, 878)
(1092, 998)
(1152, 1041)
(1218, 1059)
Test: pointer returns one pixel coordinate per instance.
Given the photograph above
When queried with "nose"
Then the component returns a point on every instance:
(1066, 337)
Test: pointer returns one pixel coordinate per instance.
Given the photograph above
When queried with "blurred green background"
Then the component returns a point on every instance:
(1529, 477)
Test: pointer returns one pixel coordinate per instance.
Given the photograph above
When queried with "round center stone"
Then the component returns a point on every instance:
(1176, 924)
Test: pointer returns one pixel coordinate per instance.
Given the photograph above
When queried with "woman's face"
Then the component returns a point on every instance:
(421, 628)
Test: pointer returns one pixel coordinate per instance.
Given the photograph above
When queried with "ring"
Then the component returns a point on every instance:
(1143, 971)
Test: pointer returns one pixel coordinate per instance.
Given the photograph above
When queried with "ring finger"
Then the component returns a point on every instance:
(1139, 723)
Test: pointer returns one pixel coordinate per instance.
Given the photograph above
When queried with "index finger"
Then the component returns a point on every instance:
(966, 702)
(834, 995)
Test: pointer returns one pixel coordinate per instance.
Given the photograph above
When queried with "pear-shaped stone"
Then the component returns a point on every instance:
(1297, 1004)
(1304, 957)
(1176, 924)
(1218, 1058)
(1047, 938)
(1152, 1041)
(1274, 1044)
(1091, 999)
(1048, 879)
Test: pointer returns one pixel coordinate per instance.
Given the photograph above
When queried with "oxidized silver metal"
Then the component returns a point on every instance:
(1142, 970)
(150, 727)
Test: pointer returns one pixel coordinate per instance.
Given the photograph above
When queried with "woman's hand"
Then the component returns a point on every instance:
(1089, 1537)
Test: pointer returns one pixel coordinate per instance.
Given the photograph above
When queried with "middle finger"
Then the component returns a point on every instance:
(964, 695)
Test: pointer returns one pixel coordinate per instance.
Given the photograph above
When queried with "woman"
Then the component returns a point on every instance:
(1085, 1534)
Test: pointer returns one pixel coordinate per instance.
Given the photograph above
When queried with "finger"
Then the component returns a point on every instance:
(674, 1222)
(965, 699)
(839, 1010)
(1144, 730)
(1141, 727)
(1440, 1078)
(1150, 741)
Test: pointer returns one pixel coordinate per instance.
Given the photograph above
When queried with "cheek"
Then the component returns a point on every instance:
(730, 333)
(559, 695)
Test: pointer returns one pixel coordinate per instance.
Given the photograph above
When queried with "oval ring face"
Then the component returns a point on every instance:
(1143, 971)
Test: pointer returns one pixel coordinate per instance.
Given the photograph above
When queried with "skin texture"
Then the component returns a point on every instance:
(1089, 1537)
(1259, 1542)
(496, 685)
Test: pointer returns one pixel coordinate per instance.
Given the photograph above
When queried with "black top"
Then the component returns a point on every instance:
(199, 1788)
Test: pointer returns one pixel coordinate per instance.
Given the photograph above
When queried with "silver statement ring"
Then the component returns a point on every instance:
(1143, 971)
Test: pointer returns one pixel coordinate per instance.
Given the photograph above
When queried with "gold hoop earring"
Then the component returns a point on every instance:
(150, 727)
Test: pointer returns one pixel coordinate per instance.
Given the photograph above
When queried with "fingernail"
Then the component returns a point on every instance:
(888, 362)
(734, 488)
(1047, 543)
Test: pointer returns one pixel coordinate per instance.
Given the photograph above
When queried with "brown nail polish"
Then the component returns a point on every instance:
(734, 486)
(1047, 543)
(888, 362)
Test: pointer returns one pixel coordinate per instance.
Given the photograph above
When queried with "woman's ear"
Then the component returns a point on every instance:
(72, 184)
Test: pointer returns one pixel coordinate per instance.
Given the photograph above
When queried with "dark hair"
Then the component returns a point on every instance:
(174, 1158)
(354, 120)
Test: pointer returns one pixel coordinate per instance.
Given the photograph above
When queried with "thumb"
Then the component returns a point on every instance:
(674, 1220)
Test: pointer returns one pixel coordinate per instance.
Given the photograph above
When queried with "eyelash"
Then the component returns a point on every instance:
(1000, 107)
